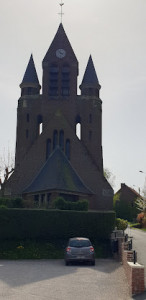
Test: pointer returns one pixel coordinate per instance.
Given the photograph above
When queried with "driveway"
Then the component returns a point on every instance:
(51, 279)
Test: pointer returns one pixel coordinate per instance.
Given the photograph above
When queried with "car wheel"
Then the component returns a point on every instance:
(67, 263)
(93, 263)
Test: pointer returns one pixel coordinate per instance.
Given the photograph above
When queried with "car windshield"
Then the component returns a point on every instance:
(79, 243)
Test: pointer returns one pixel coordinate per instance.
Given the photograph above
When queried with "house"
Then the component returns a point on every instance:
(124, 202)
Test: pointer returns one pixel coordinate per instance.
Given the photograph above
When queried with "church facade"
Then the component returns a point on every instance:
(59, 133)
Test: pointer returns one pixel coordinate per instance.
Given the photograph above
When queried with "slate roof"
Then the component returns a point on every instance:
(58, 174)
(30, 73)
(60, 41)
(90, 76)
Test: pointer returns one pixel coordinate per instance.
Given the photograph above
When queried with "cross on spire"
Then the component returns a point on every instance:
(61, 13)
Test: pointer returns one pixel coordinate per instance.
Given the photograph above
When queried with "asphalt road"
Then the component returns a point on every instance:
(139, 244)
(51, 279)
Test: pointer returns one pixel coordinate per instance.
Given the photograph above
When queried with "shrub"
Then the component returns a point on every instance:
(3, 206)
(62, 204)
(17, 203)
(144, 221)
(12, 202)
(121, 224)
(141, 219)
(83, 205)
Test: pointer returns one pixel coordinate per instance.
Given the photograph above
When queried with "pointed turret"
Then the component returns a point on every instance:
(30, 83)
(90, 85)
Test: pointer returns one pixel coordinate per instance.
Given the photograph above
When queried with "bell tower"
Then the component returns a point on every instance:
(51, 158)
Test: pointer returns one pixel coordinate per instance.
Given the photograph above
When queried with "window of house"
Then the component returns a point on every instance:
(39, 124)
(61, 139)
(55, 139)
(65, 80)
(27, 117)
(48, 148)
(29, 90)
(42, 199)
(27, 133)
(67, 148)
(78, 127)
(36, 200)
(53, 80)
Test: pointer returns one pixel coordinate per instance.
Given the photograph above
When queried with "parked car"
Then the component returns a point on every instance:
(79, 249)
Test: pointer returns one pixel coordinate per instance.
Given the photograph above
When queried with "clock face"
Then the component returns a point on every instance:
(60, 53)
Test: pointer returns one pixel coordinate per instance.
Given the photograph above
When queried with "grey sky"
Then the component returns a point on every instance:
(114, 32)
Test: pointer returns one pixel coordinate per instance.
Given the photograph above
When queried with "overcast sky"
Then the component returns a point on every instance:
(114, 33)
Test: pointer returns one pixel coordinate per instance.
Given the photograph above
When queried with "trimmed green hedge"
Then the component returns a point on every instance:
(11, 202)
(61, 203)
(55, 224)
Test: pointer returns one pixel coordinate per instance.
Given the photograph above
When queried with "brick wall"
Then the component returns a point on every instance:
(134, 272)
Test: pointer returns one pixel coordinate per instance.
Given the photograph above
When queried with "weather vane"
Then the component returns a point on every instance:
(61, 13)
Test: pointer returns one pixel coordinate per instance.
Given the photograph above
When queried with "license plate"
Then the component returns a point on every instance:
(80, 257)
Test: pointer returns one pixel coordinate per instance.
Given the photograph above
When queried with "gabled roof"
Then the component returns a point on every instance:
(90, 76)
(58, 174)
(30, 75)
(124, 186)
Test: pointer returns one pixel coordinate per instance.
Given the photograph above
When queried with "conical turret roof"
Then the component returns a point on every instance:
(90, 76)
(30, 75)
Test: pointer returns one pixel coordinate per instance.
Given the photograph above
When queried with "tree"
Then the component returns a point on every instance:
(6, 167)
(141, 204)
(109, 176)
(141, 201)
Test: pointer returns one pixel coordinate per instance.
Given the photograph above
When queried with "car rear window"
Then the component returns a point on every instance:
(79, 243)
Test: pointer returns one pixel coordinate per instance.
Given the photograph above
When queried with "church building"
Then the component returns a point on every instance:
(59, 133)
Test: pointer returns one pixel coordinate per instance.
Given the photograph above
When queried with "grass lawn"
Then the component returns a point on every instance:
(30, 249)
(136, 226)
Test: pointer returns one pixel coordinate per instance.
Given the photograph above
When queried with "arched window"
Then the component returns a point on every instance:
(27, 133)
(67, 148)
(48, 148)
(55, 139)
(40, 124)
(53, 84)
(27, 117)
(78, 127)
(90, 118)
(65, 83)
(61, 139)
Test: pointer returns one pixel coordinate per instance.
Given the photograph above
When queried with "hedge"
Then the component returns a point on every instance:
(61, 203)
(55, 224)
(11, 202)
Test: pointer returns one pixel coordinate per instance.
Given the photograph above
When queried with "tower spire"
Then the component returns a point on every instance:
(90, 85)
(61, 12)
(30, 83)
